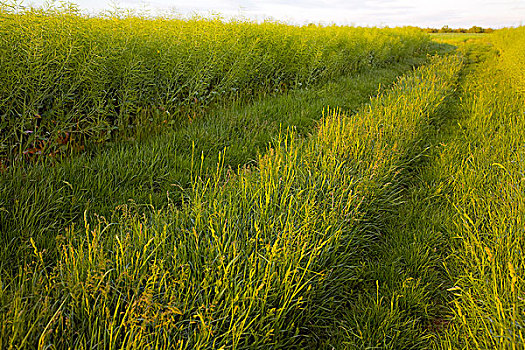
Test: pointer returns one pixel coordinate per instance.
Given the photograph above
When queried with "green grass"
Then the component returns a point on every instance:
(296, 213)
(401, 302)
(486, 193)
(447, 272)
(94, 77)
(458, 38)
(40, 200)
(260, 257)
(508, 43)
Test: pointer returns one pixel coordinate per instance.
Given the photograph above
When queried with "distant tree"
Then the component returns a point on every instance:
(476, 29)
(445, 29)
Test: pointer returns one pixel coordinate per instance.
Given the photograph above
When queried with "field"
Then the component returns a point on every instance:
(203, 184)
(456, 38)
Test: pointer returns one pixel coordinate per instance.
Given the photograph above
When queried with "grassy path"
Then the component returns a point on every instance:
(443, 272)
(485, 166)
(40, 201)
(402, 301)
(264, 258)
(396, 227)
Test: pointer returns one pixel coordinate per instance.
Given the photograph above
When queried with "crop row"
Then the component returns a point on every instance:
(510, 43)
(486, 171)
(261, 258)
(68, 78)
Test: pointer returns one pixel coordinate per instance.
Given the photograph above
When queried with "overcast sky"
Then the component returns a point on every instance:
(425, 13)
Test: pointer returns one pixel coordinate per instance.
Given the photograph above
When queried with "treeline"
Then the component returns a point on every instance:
(447, 29)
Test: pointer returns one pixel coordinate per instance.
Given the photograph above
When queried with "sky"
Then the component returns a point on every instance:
(422, 13)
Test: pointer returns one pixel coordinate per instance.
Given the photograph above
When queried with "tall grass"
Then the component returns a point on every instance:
(40, 200)
(484, 168)
(64, 72)
(509, 43)
(264, 257)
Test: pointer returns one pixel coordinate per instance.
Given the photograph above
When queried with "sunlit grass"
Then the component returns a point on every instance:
(456, 38)
(486, 166)
(251, 194)
(93, 77)
(261, 257)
